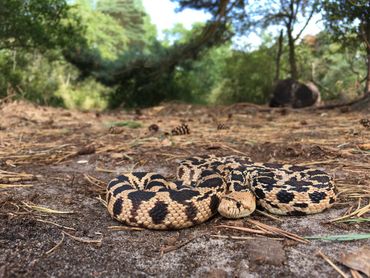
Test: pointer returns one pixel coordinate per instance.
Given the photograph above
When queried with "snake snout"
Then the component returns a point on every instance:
(237, 204)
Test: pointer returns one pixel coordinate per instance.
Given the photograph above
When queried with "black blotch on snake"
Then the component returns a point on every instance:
(117, 180)
(191, 212)
(285, 196)
(183, 195)
(117, 207)
(259, 193)
(215, 201)
(139, 175)
(121, 188)
(317, 197)
(300, 205)
(159, 212)
(299, 185)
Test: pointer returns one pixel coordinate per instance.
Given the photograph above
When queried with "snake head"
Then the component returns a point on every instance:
(237, 204)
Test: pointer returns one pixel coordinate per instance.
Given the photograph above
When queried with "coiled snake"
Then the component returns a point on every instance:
(230, 185)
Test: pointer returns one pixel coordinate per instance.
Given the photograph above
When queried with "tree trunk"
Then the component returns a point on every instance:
(278, 56)
(292, 60)
(367, 85)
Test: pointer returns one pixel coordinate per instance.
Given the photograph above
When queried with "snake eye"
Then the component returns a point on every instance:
(238, 205)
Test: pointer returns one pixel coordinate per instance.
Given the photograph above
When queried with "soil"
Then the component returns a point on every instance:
(54, 165)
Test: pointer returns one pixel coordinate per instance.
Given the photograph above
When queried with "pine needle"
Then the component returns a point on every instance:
(5, 186)
(45, 209)
(347, 237)
(329, 261)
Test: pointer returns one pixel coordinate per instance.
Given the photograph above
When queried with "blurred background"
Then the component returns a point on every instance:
(104, 54)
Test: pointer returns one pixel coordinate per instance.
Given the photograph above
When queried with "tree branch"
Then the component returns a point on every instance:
(307, 21)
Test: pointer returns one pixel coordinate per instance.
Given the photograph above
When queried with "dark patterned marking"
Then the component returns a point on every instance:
(195, 161)
(237, 177)
(215, 201)
(109, 196)
(180, 185)
(315, 172)
(215, 164)
(278, 177)
(191, 212)
(117, 207)
(121, 189)
(260, 207)
(212, 182)
(122, 178)
(157, 177)
(133, 213)
(322, 179)
(301, 205)
(191, 174)
(180, 172)
(183, 195)
(295, 168)
(139, 175)
(152, 184)
(139, 196)
(266, 180)
(207, 173)
(205, 196)
(316, 196)
(284, 196)
(238, 186)
(159, 212)
(296, 213)
(272, 165)
(267, 187)
(331, 200)
(117, 180)
(299, 185)
(259, 193)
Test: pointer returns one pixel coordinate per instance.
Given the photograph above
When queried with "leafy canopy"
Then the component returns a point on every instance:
(347, 18)
(36, 23)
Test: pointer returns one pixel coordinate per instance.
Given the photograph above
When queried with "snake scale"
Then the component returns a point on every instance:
(205, 185)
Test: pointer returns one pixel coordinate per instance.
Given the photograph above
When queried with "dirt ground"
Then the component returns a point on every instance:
(54, 165)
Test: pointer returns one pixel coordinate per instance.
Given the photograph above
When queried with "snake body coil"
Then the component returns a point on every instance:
(230, 185)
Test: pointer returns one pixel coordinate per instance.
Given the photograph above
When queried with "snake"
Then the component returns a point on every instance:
(233, 186)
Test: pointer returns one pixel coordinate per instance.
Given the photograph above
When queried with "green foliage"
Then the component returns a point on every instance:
(203, 76)
(349, 21)
(36, 24)
(103, 32)
(29, 76)
(338, 71)
(121, 63)
(135, 23)
(32, 34)
(195, 80)
(248, 77)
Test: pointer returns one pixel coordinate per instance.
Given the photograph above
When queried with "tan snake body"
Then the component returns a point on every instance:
(231, 185)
